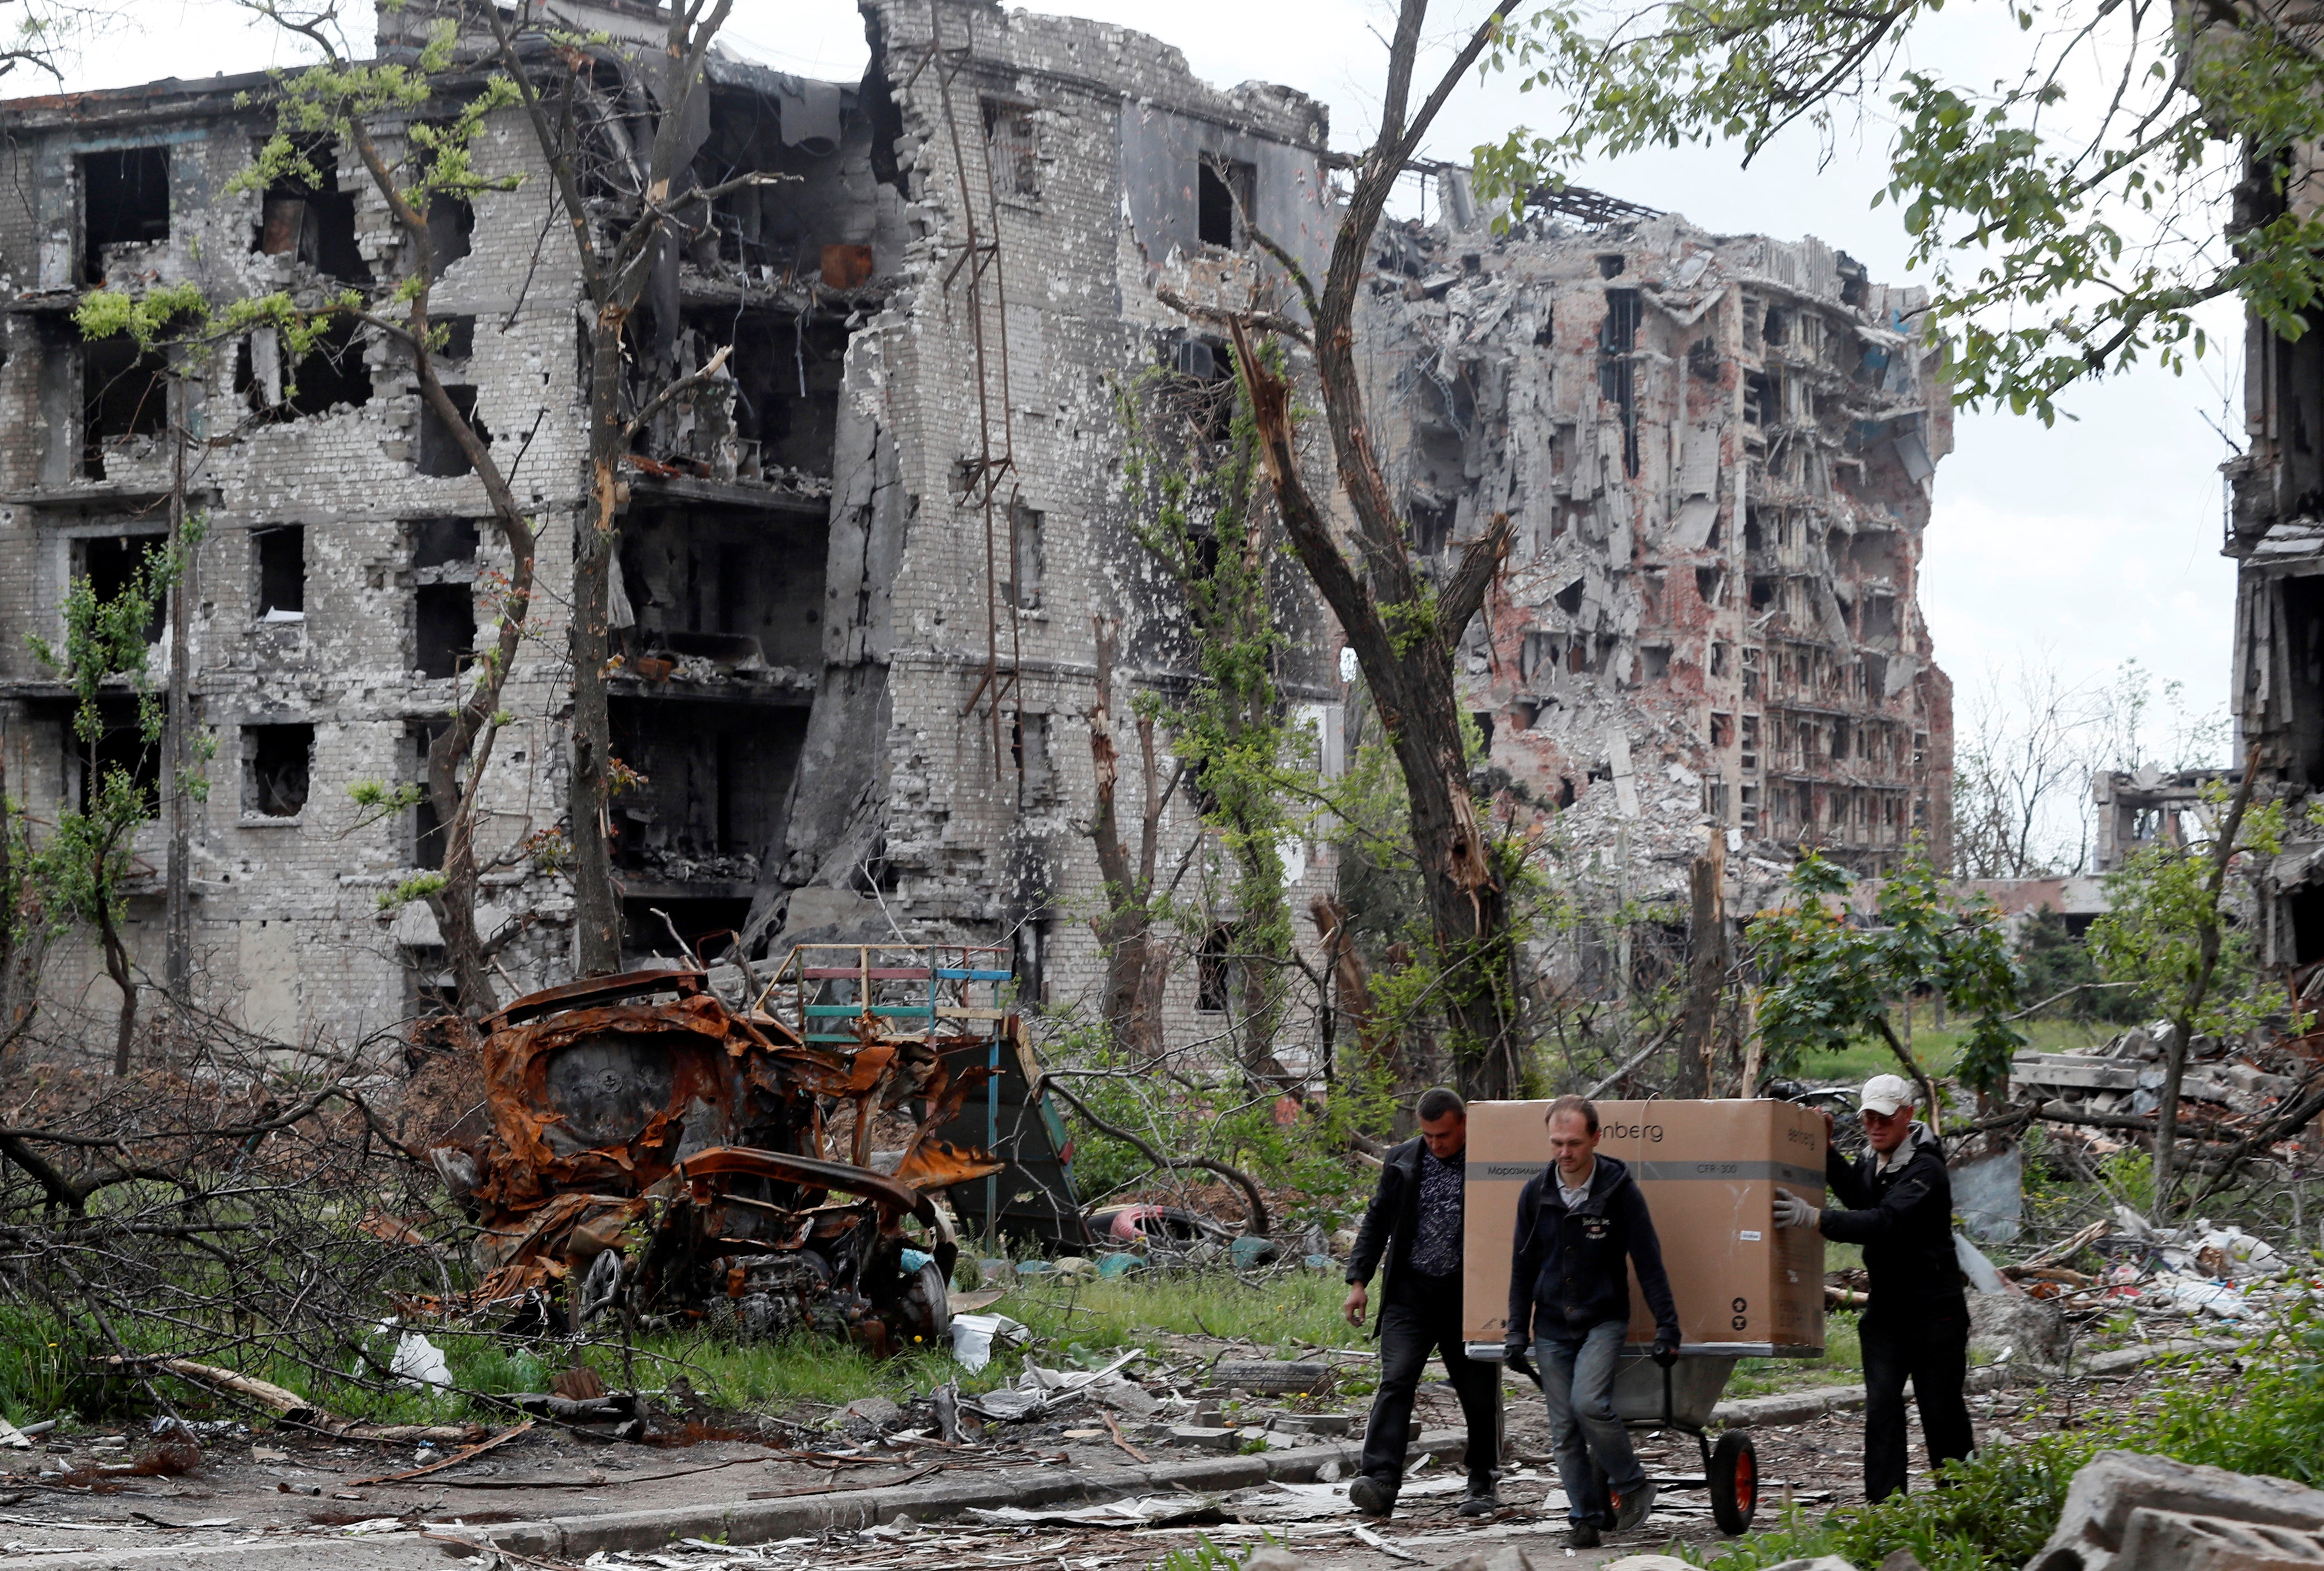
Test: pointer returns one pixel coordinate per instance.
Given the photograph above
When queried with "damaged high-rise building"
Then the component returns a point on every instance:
(854, 592)
(1718, 452)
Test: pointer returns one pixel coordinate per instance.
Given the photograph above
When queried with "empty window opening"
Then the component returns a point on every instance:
(438, 452)
(121, 744)
(1569, 599)
(1483, 720)
(712, 778)
(331, 373)
(1612, 265)
(112, 563)
(1758, 398)
(784, 412)
(1723, 730)
(1879, 616)
(1719, 654)
(314, 220)
(124, 394)
(451, 222)
(1222, 197)
(281, 556)
(1840, 740)
(1213, 966)
(442, 542)
(708, 919)
(1432, 525)
(276, 764)
(1617, 341)
(1566, 793)
(1656, 658)
(459, 334)
(1028, 751)
(1752, 539)
(427, 823)
(2302, 604)
(444, 628)
(1710, 585)
(1026, 550)
(1763, 594)
(1778, 327)
(1011, 145)
(1702, 360)
(124, 201)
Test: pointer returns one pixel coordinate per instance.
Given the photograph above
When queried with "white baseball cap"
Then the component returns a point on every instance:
(1884, 1093)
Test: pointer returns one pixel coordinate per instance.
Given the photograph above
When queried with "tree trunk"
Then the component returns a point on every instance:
(596, 916)
(178, 943)
(1134, 966)
(117, 966)
(1706, 968)
(2182, 1031)
(1404, 630)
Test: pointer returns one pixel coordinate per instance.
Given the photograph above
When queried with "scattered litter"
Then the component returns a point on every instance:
(972, 1336)
(1150, 1510)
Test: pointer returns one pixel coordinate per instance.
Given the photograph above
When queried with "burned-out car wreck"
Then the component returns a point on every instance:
(652, 1149)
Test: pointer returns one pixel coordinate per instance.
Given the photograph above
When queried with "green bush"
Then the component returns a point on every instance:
(2264, 1414)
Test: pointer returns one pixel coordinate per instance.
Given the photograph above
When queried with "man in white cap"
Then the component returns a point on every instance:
(1898, 1203)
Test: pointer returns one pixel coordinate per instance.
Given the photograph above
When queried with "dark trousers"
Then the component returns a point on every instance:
(1933, 1352)
(1412, 1326)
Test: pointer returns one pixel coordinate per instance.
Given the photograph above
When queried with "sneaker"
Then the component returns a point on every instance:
(1583, 1535)
(1370, 1496)
(1631, 1509)
(1482, 1502)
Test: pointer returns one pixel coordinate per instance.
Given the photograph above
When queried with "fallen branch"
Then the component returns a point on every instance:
(462, 1455)
(290, 1407)
(1254, 1201)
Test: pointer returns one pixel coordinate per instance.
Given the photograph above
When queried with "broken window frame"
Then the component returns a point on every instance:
(115, 231)
(261, 737)
(1012, 147)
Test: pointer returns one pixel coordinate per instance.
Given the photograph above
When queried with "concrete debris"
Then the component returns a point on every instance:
(973, 1337)
(2014, 1327)
(2130, 1511)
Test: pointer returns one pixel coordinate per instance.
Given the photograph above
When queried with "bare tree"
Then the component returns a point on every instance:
(1403, 628)
(1137, 960)
(2021, 766)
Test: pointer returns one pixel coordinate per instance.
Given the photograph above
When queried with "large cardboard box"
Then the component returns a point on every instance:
(1709, 1170)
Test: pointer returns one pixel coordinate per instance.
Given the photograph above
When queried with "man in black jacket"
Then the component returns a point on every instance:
(1582, 1224)
(1413, 1227)
(1897, 1202)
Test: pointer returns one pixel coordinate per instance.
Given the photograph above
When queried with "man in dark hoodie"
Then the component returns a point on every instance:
(1582, 1224)
(1413, 1227)
(1899, 1205)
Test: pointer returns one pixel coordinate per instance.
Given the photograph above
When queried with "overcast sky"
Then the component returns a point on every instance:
(2091, 542)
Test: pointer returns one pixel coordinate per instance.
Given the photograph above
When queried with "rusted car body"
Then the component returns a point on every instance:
(651, 1146)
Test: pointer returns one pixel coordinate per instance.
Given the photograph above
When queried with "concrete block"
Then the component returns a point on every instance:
(2094, 1530)
(1205, 1438)
(2154, 1540)
(2028, 1328)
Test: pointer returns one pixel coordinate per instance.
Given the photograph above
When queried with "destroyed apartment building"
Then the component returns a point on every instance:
(855, 597)
(2275, 535)
(1718, 453)
(857, 580)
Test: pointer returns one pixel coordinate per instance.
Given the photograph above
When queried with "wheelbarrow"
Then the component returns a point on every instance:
(1681, 1397)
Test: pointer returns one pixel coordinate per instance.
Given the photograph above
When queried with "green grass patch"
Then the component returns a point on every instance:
(1280, 1314)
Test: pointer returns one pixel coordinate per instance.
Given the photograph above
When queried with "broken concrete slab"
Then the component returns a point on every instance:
(2156, 1540)
(2095, 1528)
(2011, 1326)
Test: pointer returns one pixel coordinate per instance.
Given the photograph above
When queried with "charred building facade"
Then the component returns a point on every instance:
(857, 573)
(1719, 456)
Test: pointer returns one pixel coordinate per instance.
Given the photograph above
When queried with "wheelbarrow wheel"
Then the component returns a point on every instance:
(1734, 1482)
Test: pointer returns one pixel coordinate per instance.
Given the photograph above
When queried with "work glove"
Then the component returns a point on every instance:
(1666, 1353)
(1514, 1352)
(1791, 1211)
